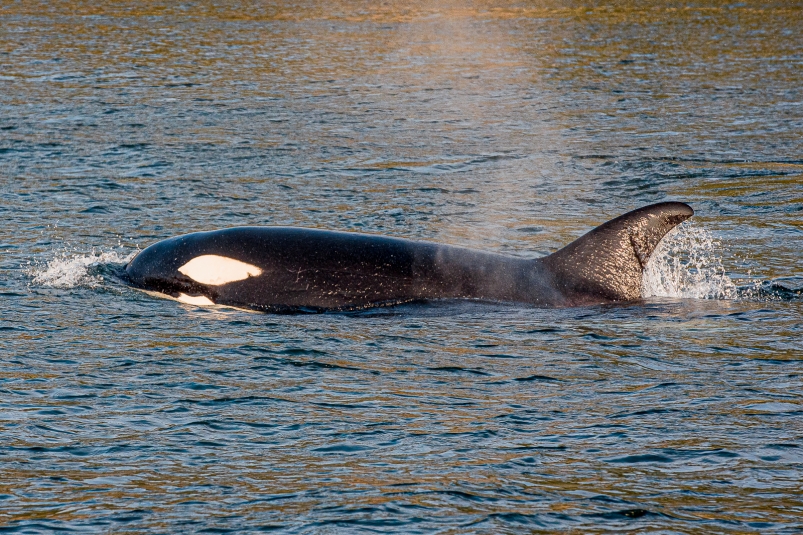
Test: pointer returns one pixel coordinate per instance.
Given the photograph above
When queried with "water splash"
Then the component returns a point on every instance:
(71, 270)
(687, 264)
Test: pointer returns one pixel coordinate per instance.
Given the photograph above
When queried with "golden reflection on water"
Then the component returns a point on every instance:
(562, 468)
(381, 56)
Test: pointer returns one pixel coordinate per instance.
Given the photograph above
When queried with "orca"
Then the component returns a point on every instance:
(289, 269)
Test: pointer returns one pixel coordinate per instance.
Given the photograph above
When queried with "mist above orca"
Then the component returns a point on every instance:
(285, 269)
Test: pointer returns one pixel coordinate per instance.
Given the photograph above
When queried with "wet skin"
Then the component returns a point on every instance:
(286, 269)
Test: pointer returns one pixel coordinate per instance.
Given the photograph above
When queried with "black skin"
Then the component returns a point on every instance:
(318, 270)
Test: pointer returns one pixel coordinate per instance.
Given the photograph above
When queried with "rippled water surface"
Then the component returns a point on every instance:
(510, 127)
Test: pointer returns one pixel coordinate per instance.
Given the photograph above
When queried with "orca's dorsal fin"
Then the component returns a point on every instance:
(608, 262)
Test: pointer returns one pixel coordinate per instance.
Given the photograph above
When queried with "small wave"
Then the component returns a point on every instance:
(688, 264)
(71, 270)
(781, 289)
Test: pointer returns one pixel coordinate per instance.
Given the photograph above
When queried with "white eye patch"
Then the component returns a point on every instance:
(216, 270)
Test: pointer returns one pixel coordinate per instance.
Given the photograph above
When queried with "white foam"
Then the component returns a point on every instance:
(687, 264)
(75, 270)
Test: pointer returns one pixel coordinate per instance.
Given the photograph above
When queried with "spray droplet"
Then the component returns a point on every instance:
(687, 264)
(74, 270)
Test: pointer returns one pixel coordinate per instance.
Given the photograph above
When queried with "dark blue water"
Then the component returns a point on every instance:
(511, 128)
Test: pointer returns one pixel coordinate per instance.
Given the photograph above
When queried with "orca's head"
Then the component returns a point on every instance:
(189, 268)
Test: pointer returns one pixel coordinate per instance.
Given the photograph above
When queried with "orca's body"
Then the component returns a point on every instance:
(285, 269)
